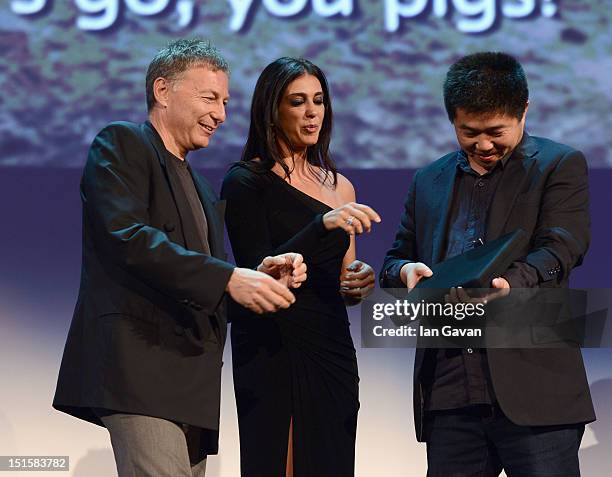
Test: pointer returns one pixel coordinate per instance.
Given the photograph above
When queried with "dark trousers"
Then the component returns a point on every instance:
(480, 441)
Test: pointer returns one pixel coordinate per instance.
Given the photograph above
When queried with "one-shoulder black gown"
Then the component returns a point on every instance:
(298, 363)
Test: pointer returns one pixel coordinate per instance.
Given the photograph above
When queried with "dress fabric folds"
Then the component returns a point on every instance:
(298, 364)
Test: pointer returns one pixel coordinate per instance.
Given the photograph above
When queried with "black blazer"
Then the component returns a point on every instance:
(544, 191)
(149, 326)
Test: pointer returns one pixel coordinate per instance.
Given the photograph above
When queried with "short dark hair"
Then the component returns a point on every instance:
(262, 139)
(177, 57)
(488, 82)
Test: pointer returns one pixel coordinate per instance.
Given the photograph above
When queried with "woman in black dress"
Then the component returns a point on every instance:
(295, 372)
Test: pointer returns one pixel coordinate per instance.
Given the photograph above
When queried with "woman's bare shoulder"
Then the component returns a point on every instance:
(345, 188)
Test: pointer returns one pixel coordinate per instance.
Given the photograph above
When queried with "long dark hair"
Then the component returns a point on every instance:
(263, 134)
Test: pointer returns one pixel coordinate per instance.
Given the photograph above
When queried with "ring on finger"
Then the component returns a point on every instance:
(349, 220)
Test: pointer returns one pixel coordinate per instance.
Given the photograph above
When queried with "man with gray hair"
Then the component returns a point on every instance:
(143, 354)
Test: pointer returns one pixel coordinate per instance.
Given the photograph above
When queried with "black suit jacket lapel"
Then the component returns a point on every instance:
(442, 190)
(188, 225)
(515, 173)
(214, 219)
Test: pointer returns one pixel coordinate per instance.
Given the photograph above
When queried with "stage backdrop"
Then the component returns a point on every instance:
(68, 67)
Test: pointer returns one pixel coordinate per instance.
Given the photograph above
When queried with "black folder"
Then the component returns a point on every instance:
(477, 267)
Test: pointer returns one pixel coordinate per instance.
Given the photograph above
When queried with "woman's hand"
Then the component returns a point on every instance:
(287, 268)
(357, 281)
(353, 218)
